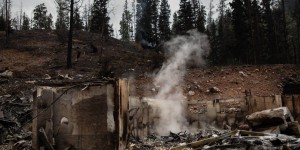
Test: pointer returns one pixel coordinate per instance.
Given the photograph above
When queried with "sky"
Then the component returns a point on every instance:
(115, 7)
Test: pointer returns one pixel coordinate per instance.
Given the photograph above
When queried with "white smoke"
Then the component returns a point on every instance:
(171, 102)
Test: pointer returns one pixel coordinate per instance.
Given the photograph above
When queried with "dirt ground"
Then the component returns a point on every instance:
(36, 56)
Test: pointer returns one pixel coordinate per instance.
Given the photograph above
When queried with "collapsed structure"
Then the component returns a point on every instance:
(97, 115)
(91, 115)
(214, 123)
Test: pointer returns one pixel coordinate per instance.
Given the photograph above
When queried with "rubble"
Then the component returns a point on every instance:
(15, 119)
(191, 93)
(6, 74)
(214, 90)
(242, 74)
(212, 138)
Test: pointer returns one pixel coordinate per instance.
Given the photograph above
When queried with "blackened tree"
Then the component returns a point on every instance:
(2, 23)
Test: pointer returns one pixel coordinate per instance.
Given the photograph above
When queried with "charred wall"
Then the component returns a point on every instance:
(81, 117)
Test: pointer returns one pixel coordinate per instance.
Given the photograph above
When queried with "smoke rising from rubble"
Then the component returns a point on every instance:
(171, 102)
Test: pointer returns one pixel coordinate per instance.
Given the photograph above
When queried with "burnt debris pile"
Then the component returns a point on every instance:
(15, 115)
(212, 138)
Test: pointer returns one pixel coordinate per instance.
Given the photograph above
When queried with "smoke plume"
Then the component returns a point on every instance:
(171, 102)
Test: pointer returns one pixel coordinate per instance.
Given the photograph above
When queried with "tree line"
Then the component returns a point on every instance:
(94, 17)
(239, 31)
(68, 19)
(244, 31)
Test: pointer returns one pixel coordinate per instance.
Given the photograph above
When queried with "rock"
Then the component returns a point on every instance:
(7, 74)
(243, 74)
(191, 93)
(65, 77)
(188, 87)
(153, 89)
(47, 77)
(214, 90)
(7, 95)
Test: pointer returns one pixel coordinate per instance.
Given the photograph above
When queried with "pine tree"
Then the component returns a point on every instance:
(154, 22)
(175, 25)
(86, 17)
(220, 30)
(214, 56)
(40, 17)
(256, 33)
(125, 28)
(139, 24)
(240, 29)
(185, 16)
(62, 21)
(25, 25)
(49, 22)
(78, 24)
(196, 10)
(200, 20)
(164, 21)
(146, 23)
(268, 29)
(209, 16)
(226, 55)
(100, 18)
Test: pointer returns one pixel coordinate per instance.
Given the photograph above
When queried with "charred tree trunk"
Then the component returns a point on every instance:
(6, 21)
(69, 57)
(298, 29)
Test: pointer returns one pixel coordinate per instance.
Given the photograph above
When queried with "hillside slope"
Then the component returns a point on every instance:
(37, 55)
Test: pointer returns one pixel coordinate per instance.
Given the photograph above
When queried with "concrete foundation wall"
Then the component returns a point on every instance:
(222, 113)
